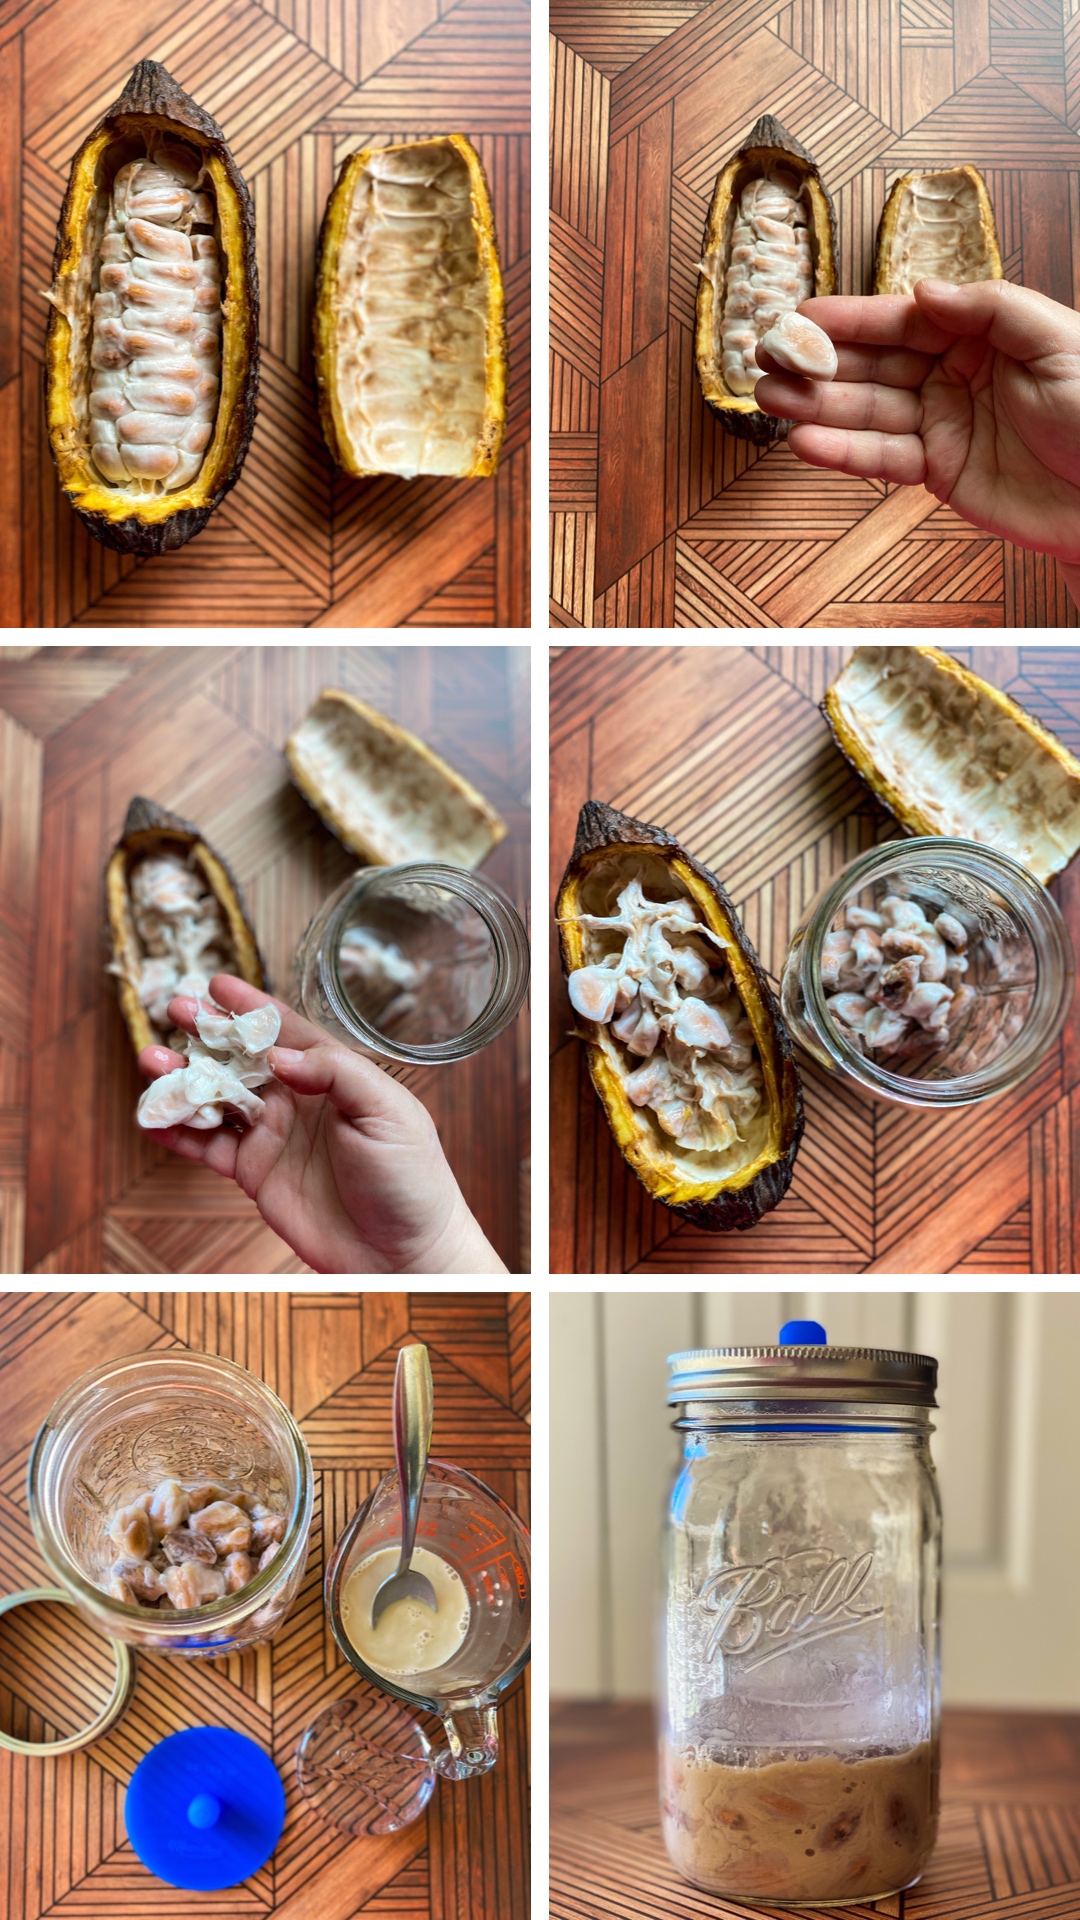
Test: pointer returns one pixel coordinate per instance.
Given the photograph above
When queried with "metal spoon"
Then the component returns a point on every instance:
(412, 1438)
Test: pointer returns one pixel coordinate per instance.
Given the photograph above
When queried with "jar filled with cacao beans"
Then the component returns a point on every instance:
(800, 1721)
(933, 971)
(419, 963)
(171, 1495)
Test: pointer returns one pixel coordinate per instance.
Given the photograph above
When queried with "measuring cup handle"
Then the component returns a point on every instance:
(472, 1743)
(413, 1405)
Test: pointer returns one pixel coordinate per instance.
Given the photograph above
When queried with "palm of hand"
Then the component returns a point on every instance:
(353, 1180)
(1002, 444)
(323, 1184)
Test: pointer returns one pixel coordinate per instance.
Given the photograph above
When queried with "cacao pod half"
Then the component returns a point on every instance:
(949, 754)
(384, 793)
(151, 831)
(751, 1130)
(771, 158)
(936, 226)
(410, 345)
(152, 353)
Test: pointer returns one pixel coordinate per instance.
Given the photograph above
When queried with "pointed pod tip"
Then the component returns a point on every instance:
(768, 131)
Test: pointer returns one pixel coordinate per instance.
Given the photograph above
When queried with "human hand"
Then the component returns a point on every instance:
(971, 391)
(345, 1163)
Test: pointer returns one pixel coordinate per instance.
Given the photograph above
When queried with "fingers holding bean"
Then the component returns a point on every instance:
(864, 408)
(873, 456)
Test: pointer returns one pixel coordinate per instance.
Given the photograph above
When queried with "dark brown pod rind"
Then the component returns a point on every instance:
(151, 102)
(767, 144)
(149, 828)
(717, 1207)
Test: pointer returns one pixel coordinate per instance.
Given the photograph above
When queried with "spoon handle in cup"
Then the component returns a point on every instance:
(413, 1412)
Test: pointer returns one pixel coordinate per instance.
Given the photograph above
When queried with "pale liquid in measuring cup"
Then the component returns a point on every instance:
(409, 1638)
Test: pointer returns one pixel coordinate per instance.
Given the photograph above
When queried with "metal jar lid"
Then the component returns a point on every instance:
(125, 1672)
(715, 1374)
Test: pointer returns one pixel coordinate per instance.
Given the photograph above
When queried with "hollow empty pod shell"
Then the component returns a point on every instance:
(387, 796)
(799, 345)
(950, 754)
(151, 357)
(936, 226)
(410, 353)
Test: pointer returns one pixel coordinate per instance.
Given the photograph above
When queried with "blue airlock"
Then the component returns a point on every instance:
(803, 1333)
(204, 1809)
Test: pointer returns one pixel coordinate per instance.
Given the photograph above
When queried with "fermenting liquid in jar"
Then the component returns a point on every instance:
(799, 1758)
(829, 1827)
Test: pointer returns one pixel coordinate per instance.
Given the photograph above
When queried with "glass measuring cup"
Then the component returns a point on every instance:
(120, 1429)
(370, 1773)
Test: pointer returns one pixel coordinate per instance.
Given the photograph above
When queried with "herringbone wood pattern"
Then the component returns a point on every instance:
(295, 88)
(63, 1851)
(201, 730)
(726, 748)
(659, 518)
(1008, 1846)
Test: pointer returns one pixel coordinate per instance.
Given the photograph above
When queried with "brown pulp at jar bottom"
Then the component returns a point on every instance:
(814, 1830)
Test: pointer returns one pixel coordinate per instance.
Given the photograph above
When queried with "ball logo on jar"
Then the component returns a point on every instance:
(785, 1603)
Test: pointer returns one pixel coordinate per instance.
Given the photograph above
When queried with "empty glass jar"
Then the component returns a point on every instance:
(800, 1729)
(419, 963)
(991, 999)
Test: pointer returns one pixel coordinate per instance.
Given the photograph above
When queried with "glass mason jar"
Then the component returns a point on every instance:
(420, 963)
(1019, 964)
(799, 1753)
(119, 1430)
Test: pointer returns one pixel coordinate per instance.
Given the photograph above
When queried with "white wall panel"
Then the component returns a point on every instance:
(970, 1336)
(859, 1319)
(579, 1561)
(640, 1330)
(1012, 1615)
(742, 1319)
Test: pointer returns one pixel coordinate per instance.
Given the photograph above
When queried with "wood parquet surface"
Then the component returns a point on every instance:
(201, 731)
(725, 747)
(658, 517)
(63, 1849)
(296, 88)
(1008, 1845)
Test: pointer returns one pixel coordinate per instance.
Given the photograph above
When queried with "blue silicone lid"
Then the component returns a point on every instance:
(803, 1333)
(204, 1808)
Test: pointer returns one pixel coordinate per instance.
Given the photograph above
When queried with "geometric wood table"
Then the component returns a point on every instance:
(658, 517)
(726, 748)
(331, 1357)
(201, 730)
(296, 90)
(1008, 1845)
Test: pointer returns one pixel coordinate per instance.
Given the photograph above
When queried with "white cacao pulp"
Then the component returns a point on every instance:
(770, 270)
(411, 315)
(181, 931)
(156, 356)
(894, 979)
(801, 346)
(939, 233)
(225, 1063)
(671, 1003)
